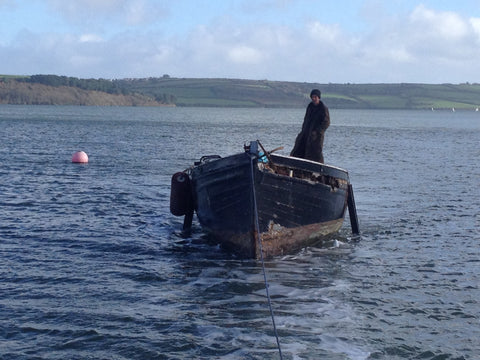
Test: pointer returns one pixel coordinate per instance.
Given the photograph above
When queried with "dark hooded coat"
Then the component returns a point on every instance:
(309, 142)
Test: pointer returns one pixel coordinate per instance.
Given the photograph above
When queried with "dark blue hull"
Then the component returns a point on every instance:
(296, 202)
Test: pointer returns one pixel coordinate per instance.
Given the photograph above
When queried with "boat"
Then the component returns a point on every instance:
(259, 205)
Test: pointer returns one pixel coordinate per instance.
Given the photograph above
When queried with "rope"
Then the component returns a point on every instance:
(257, 231)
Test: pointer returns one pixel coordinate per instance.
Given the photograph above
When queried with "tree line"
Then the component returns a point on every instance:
(108, 86)
(45, 89)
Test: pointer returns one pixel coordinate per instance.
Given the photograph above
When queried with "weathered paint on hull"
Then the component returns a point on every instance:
(290, 240)
(293, 211)
(276, 241)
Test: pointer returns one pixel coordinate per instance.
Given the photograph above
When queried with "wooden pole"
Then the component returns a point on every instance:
(352, 211)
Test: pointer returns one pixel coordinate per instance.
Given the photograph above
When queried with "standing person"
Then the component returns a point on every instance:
(309, 142)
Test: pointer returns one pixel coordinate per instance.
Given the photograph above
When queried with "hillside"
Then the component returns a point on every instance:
(22, 93)
(264, 93)
(60, 90)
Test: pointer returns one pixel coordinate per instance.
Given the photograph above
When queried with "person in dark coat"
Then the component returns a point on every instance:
(309, 142)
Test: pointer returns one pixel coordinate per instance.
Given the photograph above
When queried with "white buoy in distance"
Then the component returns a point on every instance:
(80, 157)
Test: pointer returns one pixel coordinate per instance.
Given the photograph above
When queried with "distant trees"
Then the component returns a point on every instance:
(108, 86)
(28, 90)
(114, 87)
(165, 98)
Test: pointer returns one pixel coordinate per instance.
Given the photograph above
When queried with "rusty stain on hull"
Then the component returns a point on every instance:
(279, 240)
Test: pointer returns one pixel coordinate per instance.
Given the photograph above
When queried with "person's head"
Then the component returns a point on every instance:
(315, 95)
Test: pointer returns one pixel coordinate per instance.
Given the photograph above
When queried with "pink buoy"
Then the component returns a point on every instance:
(80, 157)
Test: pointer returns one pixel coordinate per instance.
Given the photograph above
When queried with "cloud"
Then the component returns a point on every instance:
(441, 37)
(85, 38)
(475, 23)
(126, 12)
(327, 34)
(244, 54)
(424, 45)
(438, 25)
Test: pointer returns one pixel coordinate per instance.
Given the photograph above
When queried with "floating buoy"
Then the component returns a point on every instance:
(80, 157)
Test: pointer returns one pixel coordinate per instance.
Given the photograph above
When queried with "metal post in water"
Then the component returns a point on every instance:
(187, 220)
(352, 211)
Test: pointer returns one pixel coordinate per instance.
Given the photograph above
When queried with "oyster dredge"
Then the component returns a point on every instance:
(259, 204)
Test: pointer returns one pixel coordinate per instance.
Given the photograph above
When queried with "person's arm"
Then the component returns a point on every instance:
(326, 122)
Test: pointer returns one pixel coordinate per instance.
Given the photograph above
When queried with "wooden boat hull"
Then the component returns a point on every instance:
(291, 202)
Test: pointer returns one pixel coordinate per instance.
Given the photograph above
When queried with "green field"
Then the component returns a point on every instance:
(266, 93)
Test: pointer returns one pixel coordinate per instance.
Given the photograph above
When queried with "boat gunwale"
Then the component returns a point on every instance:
(311, 161)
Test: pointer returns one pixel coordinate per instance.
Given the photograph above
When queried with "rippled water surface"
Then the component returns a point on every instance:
(93, 265)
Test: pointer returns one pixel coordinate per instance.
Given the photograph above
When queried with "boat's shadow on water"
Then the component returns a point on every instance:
(194, 243)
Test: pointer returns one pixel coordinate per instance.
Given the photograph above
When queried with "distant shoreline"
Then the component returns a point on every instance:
(188, 92)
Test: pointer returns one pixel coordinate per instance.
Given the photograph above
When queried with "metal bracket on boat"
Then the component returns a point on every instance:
(207, 158)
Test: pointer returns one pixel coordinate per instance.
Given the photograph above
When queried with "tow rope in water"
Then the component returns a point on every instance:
(259, 238)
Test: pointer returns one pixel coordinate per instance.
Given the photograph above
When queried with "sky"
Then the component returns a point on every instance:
(319, 41)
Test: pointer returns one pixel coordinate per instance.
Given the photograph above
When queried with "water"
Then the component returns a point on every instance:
(93, 265)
